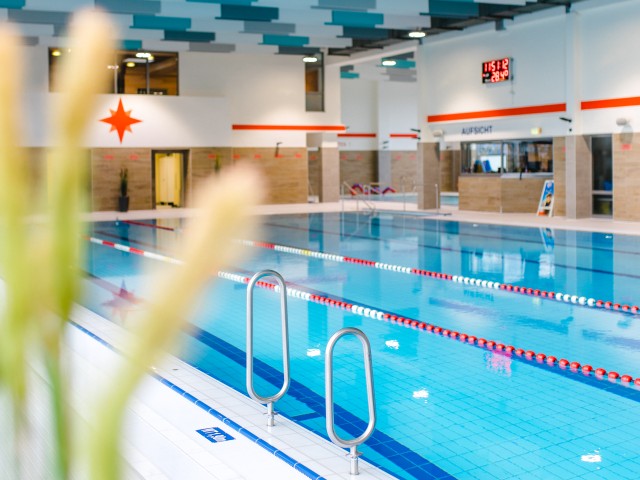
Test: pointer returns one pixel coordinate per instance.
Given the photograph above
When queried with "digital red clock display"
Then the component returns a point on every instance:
(495, 71)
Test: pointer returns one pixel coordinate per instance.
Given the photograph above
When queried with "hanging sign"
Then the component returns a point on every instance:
(545, 207)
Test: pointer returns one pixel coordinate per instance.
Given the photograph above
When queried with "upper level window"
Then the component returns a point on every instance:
(132, 71)
(510, 156)
(314, 82)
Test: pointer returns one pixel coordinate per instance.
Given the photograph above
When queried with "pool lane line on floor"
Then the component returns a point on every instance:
(558, 296)
(307, 472)
(368, 311)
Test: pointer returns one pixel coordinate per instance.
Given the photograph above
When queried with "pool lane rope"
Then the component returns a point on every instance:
(558, 296)
(376, 314)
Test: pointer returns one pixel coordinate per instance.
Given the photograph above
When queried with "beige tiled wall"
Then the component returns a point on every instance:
(105, 177)
(559, 176)
(449, 170)
(404, 168)
(359, 167)
(626, 176)
(428, 175)
(287, 175)
(521, 196)
(479, 193)
(315, 173)
(202, 164)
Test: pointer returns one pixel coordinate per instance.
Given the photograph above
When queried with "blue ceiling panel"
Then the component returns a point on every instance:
(182, 36)
(242, 12)
(285, 40)
(453, 8)
(149, 7)
(161, 23)
(356, 19)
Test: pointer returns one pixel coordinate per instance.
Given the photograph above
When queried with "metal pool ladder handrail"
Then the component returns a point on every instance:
(269, 401)
(371, 398)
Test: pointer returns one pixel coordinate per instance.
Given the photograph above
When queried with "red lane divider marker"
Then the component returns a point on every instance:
(558, 296)
(362, 310)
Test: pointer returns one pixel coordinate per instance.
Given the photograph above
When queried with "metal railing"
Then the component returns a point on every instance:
(371, 399)
(360, 197)
(270, 400)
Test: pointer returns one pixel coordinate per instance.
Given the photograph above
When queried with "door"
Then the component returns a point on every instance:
(169, 174)
(602, 190)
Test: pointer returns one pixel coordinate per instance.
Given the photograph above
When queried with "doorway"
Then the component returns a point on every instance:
(602, 189)
(169, 174)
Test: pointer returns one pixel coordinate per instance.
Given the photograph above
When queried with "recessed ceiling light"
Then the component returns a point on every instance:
(388, 63)
(131, 64)
(309, 59)
(56, 53)
(417, 34)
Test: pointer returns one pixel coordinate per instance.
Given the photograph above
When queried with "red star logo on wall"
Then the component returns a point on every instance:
(120, 120)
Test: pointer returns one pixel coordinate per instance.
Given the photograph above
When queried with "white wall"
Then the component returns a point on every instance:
(216, 91)
(359, 113)
(382, 107)
(260, 90)
(607, 38)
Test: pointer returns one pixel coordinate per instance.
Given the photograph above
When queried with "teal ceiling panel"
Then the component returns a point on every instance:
(12, 3)
(161, 23)
(38, 17)
(285, 40)
(131, 44)
(349, 75)
(228, 2)
(358, 5)
(453, 8)
(356, 19)
(365, 33)
(250, 13)
(269, 28)
(182, 36)
(212, 47)
(285, 50)
(149, 7)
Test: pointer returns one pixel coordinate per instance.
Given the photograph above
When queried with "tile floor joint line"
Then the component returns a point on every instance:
(299, 466)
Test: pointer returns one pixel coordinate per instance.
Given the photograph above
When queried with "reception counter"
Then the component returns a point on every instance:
(507, 193)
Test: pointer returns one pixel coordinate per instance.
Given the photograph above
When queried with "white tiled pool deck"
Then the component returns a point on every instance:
(162, 441)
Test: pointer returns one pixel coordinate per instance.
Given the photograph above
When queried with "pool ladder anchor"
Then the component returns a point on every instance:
(352, 444)
(270, 400)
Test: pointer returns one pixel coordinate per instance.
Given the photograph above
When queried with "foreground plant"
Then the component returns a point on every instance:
(40, 265)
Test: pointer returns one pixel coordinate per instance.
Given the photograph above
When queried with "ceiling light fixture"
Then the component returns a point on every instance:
(309, 59)
(56, 53)
(131, 64)
(417, 34)
(388, 63)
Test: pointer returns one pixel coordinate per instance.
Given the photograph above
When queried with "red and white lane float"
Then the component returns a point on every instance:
(476, 282)
(367, 311)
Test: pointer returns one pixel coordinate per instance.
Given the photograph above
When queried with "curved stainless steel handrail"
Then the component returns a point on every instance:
(269, 401)
(371, 398)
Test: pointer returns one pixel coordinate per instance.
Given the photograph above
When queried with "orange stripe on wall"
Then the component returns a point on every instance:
(288, 127)
(403, 135)
(503, 112)
(363, 135)
(610, 103)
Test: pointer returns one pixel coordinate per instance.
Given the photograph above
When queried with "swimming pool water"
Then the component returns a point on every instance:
(446, 408)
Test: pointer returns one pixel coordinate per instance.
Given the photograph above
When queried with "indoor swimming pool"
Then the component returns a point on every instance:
(498, 352)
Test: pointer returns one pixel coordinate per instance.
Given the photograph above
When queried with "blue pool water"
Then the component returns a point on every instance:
(446, 408)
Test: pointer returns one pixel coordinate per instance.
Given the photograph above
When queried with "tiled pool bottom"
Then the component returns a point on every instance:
(162, 428)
